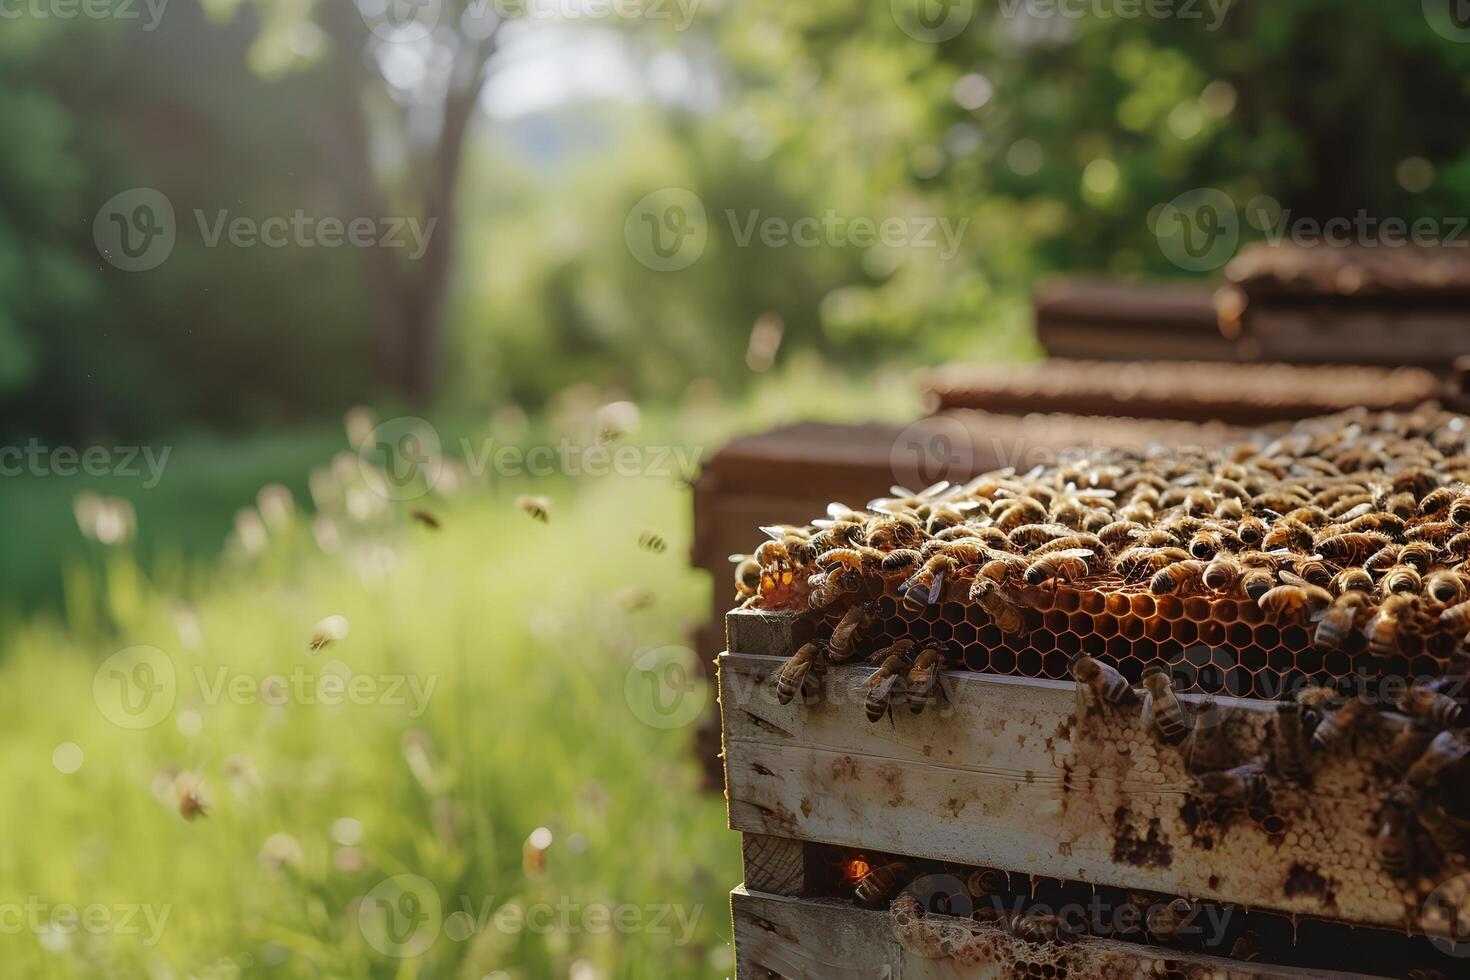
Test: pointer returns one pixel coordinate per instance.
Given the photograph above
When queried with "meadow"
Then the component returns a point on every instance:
(484, 771)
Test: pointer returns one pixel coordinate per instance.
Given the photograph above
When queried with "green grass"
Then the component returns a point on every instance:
(539, 713)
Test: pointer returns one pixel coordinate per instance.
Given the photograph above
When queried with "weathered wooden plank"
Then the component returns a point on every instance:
(774, 865)
(1031, 776)
(785, 937)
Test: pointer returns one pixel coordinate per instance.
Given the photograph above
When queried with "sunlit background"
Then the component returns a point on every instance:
(652, 224)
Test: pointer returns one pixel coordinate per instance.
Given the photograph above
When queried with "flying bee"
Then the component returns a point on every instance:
(1163, 712)
(1348, 547)
(539, 508)
(921, 685)
(1419, 701)
(1383, 628)
(923, 587)
(800, 674)
(1064, 566)
(1338, 621)
(881, 685)
(828, 587)
(425, 518)
(1177, 577)
(1351, 580)
(190, 794)
(840, 645)
(1246, 948)
(880, 885)
(1393, 844)
(1106, 683)
(1166, 922)
(1291, 742)
(1400, 578)
(747, 576)
(1445, 586)
(1296, 600)
(1335, 727)
(1447, 748)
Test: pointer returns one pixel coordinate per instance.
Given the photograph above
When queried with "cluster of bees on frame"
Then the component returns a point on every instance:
(1355, 527)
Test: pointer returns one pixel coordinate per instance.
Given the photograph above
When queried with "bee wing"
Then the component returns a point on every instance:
(737, 559)
(901, 492)
(838, 509)
(933, 490)
(1292, 578)
(883, 688)
(935, 588)
(773, 532)
(1073, 553)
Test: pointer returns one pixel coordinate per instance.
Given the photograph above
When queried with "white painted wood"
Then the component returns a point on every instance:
(1032, 777)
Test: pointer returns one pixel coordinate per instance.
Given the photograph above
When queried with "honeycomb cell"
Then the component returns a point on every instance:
(952, 612)
(1239, 635)
(1118, 647)
(1278, 658)
(1170, 606)
(1142, 604)
(1424, 666)
(1145, 649)
(1252, 613)
(1131, 627)
(1212, 633)
(991, 637)
(887, 607)
(1337, 663)
(977, 658)
(1068, 600)
(1093, 602)
(1028, 664)
(1309, 661)
(942, 632)
(1295, 638)
(1093, 645)
(1054, 665)
(1157, 629)
(1042, 600)
(1225, 611)
(1197, 608)
(1068, 643)
(1105, 626)
(976, 616)
(1056, 621)
(1117, 604)
(1268, 636)
(1252, 657)
(1080, 623)
(1002, 660)
(965, 632)
(1266, 684)
(1183, 631)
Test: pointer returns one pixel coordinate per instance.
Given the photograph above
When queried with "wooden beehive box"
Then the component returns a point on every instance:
(1032, 777)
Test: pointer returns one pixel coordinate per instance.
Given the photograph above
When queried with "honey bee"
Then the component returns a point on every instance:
(1383, 628)
(1141, 558)
(1016, 512)
(1176, 577)
(1432, 531)
(1313, 571)
(1353, 546)
(1448, 834)
(1296, 599)
(878, 887)
(1209, 747)
(747, 576)
(847, 532)
(1400, 578)
(1163, 713)
(1399, 504)
(1290, 534)
(1446, 748)
(1238, 787)
(1035, 927)
(425, 518)
(1416, 480)
(1456, 618)
(923, 587)
(840, 646)
(327, 632)
(1336, 726)
(881, 685)
(1338, 621)
(828, 587)
(1030, 536)
(859, 558)
(1291, 742)
(1246, 948)
(539, 508)
(1445, 586)
(1351, 580)
(1428, 705)
(1252, 531)
(985, 882)
(1107, 685)
(190, 794)
(800, 674)
(922, 682)
(891, 532)
(947, 514)
(1119, 533)
(1394, 847)
(1064, 566)
(1374, 523)
(1166, 922)
(897, 565)
(1422, 556)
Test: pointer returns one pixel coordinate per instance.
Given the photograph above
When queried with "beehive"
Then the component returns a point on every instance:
(1011, 765)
